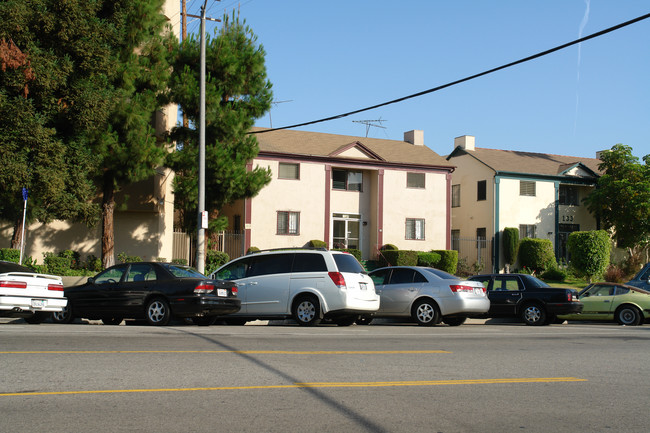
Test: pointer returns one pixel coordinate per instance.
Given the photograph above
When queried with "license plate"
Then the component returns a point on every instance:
(363, 286)
(222, 292)
(38, 303)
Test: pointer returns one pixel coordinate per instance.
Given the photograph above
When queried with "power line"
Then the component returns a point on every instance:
(462, 80)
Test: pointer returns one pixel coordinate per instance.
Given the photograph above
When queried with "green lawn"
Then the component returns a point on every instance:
(570, 282)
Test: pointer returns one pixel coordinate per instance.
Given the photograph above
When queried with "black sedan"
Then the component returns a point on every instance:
(152, 291)
(526, 297)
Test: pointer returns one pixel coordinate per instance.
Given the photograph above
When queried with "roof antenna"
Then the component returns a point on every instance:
(276, 103)
(370, 123)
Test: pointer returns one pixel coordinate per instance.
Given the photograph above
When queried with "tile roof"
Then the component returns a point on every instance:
(529, 162)
(329, 145)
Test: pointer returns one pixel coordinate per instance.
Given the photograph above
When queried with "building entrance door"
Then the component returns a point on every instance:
(346, 231)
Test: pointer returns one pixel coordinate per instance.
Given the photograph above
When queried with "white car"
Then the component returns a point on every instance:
(307, 285)
(27, 294)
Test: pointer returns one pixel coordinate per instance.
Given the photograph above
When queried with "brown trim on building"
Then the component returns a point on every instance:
(380, 209)
(353, 162)
(328, 193)
(248, 215)
(448, 229)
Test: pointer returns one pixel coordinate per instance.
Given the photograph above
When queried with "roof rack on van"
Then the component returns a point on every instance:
(288, 249)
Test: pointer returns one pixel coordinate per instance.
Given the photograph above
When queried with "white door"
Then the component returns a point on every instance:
(346, 231)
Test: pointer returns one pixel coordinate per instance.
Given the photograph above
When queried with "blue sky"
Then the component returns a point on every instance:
(328, 58)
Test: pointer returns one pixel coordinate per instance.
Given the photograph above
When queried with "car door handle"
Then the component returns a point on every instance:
(412, 289)
(253, 283)
(606, 301)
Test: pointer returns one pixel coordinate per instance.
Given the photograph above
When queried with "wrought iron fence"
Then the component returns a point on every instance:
(474, 254)
(230, 242)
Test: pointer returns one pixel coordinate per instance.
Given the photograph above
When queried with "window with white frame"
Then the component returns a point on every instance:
(527, 188)
(347, 180)
(288, 223)
(455, 195)
(527, 231)
(415, 228)
(415, 180)
(288, 170)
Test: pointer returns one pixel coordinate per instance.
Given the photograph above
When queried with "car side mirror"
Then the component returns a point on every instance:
(91, 280)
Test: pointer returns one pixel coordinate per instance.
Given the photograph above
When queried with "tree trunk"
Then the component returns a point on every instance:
(108, 233)
(18, 232)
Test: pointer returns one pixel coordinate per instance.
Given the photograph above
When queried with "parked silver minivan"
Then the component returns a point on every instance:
(308, 285)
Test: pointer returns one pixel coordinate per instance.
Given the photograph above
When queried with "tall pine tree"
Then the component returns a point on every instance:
(237, 93)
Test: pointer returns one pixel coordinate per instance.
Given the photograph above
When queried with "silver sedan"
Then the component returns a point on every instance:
(426, 295)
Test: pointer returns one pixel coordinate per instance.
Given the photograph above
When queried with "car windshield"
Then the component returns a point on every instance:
(348, 263)
(440, 274)
(184, 271)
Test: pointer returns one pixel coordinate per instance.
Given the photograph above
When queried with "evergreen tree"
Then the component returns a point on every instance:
(99, 70)
(237, 92)
(36, 151)
(621, 199)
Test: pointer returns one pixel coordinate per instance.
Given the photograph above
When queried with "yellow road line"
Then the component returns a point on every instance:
(313, 385)
(248, 352)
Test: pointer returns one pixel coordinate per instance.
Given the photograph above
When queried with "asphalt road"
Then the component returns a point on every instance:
(379, 378)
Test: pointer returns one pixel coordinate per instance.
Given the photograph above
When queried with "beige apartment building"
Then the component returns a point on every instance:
(539, 193)
(350, 192)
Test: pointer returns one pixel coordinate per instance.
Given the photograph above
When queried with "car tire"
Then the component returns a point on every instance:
(628, 315)
(36, 318)
(533, 314)
(112, 320)
(64, 316)
(364, 319)
(306, 311)
(205, 320)
(454, 321)
(425, 312)
(345, 320)
(157, 312)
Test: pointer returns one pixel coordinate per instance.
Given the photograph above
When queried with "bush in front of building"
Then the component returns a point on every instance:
(9, 255)
(589, 252)
(448, 261)
(400, 258)
(536, 254)
(430, 259)
(316, 243)
(214, 260)
(510, 245)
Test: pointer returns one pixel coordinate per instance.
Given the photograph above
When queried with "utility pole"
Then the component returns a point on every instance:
(200, 238)
(202, 213)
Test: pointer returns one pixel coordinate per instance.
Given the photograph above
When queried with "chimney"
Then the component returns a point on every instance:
(465, 142)
(600, 152)
(415, 137)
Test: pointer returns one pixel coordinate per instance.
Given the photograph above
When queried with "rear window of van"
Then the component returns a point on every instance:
(348, 263)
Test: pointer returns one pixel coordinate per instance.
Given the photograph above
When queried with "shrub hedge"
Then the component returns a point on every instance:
(536, 254)
(448, 261)
(589, 252)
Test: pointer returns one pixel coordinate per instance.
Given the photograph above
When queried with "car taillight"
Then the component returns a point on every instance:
(571, 297)
(234, 290)
(203, 288)
(55, 287)
(338, 279)
(459, 288)
(13, 284)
